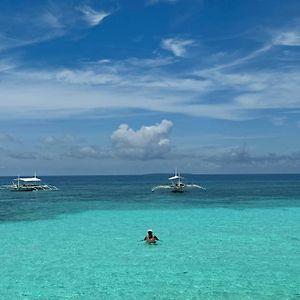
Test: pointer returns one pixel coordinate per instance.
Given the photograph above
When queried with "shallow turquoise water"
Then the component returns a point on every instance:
(239, 240)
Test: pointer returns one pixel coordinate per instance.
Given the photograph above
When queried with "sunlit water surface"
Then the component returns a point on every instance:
(238, 240)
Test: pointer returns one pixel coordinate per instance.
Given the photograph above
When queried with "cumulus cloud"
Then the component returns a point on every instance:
(148, 142)
(93, 17)
(176, 46)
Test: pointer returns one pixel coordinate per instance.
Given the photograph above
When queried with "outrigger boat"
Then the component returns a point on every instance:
(177, 186)
(30, 184)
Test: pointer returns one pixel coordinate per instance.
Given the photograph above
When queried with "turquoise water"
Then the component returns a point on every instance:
(238, 240)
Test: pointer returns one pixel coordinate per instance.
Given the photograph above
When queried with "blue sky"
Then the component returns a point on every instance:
(131, 87)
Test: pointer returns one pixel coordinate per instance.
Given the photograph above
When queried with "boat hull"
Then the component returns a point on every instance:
(31, 188)
(177, 191)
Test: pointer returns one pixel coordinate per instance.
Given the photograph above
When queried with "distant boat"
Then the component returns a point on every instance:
(177, 185)
(30, 184)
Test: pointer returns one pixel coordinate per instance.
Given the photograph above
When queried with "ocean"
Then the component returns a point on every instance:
(239, 239)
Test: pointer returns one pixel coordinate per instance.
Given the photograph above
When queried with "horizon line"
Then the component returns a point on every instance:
(151, 174)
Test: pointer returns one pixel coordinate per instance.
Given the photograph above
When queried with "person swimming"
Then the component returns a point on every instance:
(150, 237)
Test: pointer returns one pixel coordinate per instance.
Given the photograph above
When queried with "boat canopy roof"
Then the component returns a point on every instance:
(174, 177)
(29, 179)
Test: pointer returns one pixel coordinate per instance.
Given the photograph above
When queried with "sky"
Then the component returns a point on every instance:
(134, 87)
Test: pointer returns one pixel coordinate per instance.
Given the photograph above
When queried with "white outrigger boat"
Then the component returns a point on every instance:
(177, 186)
(30, 184)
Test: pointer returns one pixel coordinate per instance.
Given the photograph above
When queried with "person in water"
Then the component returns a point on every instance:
(150, 237)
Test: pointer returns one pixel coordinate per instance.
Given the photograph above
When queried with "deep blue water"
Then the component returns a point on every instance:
(79, 193)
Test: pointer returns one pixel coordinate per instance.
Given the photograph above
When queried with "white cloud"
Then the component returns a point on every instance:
(283, 38)
(93, 17)
(87, 152)
(6, 42)
(228, 91)
(46, 22)
(176, 46)
(69, 146)
(148, 142)
(244, 59)
(233, 158)
(279, 120)
(289, 38)
(86, 77)
(51, 140)
(150, 62)
(33, 26)
(55, 94)
(50, 20)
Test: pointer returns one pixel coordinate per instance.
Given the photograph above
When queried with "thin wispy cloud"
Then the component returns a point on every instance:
(243, 59)
(48, 22)
(150, 62)
(177, 46)
(6, 65)
(24, 155)
(6, 138)
(89, 77)
(59, 141)
(279, 120)
(123, 84)
(72, 92)
(283, 38)
(40, 26)
(289, 38)
(93, 17)
(87, 152)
